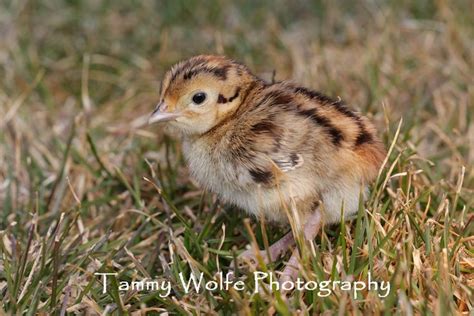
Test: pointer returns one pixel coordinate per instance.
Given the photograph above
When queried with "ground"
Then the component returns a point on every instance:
(86, 187)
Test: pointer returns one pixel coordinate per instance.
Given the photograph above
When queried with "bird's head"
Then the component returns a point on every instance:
(197, 94)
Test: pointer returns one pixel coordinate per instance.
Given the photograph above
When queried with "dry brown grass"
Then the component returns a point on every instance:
(79, 173)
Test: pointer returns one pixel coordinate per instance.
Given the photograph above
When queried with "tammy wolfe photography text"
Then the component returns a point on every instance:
(198, 284)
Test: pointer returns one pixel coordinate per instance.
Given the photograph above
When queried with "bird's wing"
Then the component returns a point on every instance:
(266, 167)
(270, 150)
(269, 140)
(288, 162)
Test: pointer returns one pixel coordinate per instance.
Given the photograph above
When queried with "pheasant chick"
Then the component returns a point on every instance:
(266, 146)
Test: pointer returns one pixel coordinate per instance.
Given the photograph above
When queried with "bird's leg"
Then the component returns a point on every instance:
(310, 230)
(275, 250)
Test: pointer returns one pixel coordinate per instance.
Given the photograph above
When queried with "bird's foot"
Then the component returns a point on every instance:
(290, 273)
(311, 228)
(250, 256)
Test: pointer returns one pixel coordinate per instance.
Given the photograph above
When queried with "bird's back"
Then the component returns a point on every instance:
(287, 142)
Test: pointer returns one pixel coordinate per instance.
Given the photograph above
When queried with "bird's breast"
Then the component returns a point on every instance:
(210, 167)
(225, 178)
(233, 184)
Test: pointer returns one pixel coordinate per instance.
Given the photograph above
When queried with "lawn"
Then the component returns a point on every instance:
(87, 187)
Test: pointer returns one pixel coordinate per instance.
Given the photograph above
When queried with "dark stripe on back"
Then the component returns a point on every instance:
(314, 95)
(364, 136)
(287, 102)
(280, 99)
(263, 126)
(339, 105)
(335, 133)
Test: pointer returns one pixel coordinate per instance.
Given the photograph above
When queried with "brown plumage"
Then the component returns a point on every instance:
(262, 146)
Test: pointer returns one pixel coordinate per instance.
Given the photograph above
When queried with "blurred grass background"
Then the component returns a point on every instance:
(79, 171)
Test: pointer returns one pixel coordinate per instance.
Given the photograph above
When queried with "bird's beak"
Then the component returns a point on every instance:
(160, 114)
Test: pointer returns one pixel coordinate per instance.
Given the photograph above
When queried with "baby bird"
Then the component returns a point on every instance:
(268, 146)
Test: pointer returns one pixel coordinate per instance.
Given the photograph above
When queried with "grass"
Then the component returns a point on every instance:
(86, 187)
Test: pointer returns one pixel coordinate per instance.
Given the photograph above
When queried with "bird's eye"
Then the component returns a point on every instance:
(199, 97)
